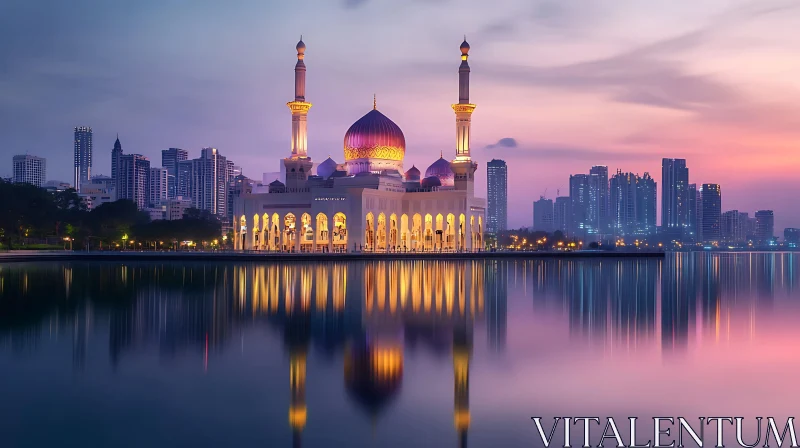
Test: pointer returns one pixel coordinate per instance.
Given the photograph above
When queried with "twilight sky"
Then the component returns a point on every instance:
(560, 85)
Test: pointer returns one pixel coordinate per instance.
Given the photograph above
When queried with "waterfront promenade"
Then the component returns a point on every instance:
(64, 255)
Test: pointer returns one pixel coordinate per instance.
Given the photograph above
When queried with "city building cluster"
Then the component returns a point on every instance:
(622, 210)
(165, 192)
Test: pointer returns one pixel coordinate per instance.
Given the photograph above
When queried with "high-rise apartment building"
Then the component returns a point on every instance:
(562, 214)
(83, 156)
(711, 213)
(623, 203)
(646, 203)
(579, 196)
(497, 197)
(159, 186)
(734, 227)
(543, 219)
(693, 201)
(633, 204)
(29, 170)
(599, 212)
(791, 236)
(674, 197)
(133, 179)
(765, 226)
(209, 182)
(169, 160)
(183, 179)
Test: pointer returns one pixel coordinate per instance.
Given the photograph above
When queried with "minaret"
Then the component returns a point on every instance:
(297, 383)
(298, 165)
(462, 346)
(462, 166)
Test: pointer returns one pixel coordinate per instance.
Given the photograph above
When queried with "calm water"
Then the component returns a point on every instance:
(387, 353)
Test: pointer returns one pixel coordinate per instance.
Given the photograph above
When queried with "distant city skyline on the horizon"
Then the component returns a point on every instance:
(624, 96)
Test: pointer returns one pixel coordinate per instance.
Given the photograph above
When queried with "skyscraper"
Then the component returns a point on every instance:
(646, 203)
(159, 186)
(633, 204)
(599, 213)
(674, 197)
(116, 153)
(734, 226)
(623, 203)
(497, 183)
(83, 156)
(30, 170)
(183, 179)
(562, 214)
(765, 226)
(209, 182)
(169, 160)
(693, 200)
(133, 182)
(543, 215)
(711, 211)
(579, 205)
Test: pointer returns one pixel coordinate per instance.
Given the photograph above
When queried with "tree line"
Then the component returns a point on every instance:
(28, 212)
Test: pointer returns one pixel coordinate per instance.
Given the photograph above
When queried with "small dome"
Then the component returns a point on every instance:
(413, 174)
(276, 183)
(464, 46)
(374, 136)
(301, 46)
(326, 168)
(431, 181)
(441, 169)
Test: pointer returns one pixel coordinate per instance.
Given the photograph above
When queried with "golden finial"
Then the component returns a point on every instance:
(374, 102)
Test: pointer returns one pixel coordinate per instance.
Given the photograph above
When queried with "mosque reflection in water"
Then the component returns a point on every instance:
(372, 313)
(371, 310)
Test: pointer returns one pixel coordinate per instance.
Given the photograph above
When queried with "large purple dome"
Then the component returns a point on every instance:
(441, 169)
(374, 136)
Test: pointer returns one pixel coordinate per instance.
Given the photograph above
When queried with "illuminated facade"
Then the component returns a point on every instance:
(368, 203)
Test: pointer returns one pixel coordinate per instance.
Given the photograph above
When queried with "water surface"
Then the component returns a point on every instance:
(391, 354)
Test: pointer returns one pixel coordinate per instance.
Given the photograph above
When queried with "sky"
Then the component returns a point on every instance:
(561, 85)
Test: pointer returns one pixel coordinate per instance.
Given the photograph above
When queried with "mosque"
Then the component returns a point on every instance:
(368, 203)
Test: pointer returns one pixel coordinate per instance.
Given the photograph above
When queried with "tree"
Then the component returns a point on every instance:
(25, 210)
(113, 220)
(197, 214)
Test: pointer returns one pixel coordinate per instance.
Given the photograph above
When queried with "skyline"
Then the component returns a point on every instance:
(559, 89)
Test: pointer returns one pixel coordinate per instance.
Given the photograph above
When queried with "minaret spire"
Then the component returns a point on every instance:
(374, 102)
(462, 166)
(298, 164)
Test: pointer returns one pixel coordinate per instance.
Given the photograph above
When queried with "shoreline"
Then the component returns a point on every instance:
(27, 256)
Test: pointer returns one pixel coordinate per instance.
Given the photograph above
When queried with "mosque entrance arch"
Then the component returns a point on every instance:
(369, 233)
(405, 236)
(323, 237)
(381, 233)
(428, 235)
(289, 232)
(339, 232)
(306, 233)
(393, 243)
